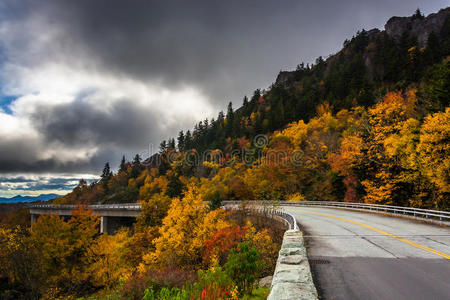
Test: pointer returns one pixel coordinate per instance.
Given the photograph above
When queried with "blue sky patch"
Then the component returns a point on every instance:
(5, 101)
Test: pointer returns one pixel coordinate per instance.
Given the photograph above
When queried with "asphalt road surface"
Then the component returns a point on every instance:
(358, 255)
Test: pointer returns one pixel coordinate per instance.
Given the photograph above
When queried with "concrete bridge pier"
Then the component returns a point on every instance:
(103, 224)
(33, 218)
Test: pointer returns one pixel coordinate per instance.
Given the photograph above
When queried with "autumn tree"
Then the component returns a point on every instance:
(388, 180)
(19, 265)
(108, 261)
(184, 231)
(64, 250)
(153, 210)
(218, 246)
(434, 155)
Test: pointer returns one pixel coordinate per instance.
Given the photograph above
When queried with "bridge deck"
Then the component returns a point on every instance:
(108, 210)
(110, 214)
(361, 255)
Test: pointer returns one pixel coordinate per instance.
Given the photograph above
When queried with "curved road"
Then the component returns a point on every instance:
(358, 255)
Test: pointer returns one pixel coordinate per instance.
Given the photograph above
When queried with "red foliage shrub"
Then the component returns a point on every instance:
(221, 243)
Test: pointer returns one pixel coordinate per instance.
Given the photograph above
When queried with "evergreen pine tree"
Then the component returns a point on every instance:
(220, 117)
(432, 51)
(137, 160)
(181, 141)
(162, 147)
(171, 143)
(188, 141)
(245, 102)
(123, 166)
(136, 166)
(106, 175)
(246, 109)
(418, 14)
(255, 97)
(230, 120)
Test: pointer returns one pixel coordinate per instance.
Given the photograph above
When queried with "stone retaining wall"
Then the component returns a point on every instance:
(292, 277)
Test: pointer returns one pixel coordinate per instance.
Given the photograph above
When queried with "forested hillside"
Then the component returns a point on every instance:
(368, 124)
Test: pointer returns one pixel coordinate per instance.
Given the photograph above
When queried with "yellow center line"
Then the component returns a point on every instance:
(447, 256)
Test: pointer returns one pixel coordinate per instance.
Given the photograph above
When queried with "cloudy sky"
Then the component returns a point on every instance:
(83, 82)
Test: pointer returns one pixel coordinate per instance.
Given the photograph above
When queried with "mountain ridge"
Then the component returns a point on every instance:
(417, 25)
(20, 198)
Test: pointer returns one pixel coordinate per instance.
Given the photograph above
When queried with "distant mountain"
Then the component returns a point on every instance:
(19, 198)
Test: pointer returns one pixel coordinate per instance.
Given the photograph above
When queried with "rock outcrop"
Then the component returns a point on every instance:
(284, 78)
(416, 26)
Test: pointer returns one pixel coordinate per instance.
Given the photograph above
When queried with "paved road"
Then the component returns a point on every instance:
(357, 255)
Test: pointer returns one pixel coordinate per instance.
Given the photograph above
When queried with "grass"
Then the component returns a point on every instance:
(260, 293)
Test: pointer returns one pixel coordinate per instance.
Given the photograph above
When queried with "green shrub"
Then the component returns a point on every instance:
(244, 266)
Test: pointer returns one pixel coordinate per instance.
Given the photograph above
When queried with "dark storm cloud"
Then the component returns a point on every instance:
(124, 128)
(19, 179)
(78, 123)
(32, 164)
(224, 48)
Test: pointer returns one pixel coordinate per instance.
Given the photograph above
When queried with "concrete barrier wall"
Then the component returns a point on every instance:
(292, 277)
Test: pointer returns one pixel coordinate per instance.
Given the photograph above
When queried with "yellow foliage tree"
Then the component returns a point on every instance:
(296, 131)
(434, 154)
(153, 185)
(108, 262)
(20, 263)
(65, 248)
(263, 241)
(184, 231)
(389, 149)
(153, 210)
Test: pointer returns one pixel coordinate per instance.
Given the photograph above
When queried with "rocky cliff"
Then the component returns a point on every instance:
(417, 26)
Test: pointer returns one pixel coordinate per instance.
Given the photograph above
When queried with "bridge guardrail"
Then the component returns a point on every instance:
(128, 206)
(288, 217)
(397, 210)
(274, 211)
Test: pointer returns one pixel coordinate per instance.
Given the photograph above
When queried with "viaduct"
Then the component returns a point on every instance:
(112, 216)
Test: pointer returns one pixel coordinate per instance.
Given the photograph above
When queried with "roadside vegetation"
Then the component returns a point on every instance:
(184, 251)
